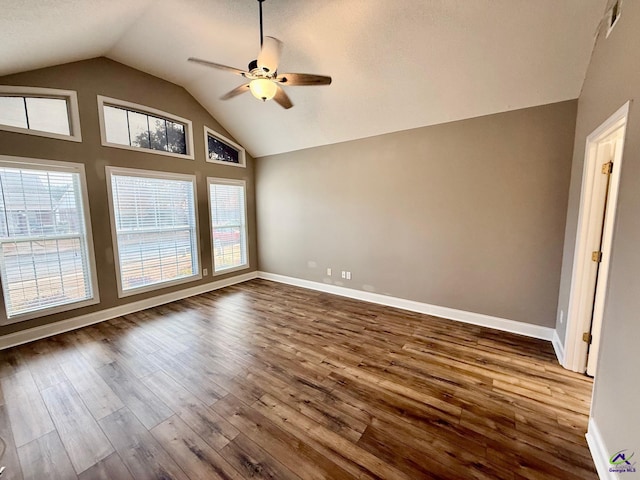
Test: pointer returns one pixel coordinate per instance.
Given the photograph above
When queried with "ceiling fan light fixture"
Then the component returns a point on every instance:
(263, 89)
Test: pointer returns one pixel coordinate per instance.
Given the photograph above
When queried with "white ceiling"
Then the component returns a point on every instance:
(396, 64)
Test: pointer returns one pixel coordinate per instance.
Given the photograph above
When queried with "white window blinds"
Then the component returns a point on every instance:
(44, 258)
(229, 225)
(155, 228)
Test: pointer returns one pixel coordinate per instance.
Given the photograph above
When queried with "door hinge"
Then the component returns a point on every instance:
(596, 256)
(587, 337)
(607, 168)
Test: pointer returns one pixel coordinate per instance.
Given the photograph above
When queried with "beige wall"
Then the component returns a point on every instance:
(467, 215)
(105, 77)
(612, 79)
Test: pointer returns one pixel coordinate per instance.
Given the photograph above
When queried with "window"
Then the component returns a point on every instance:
(135, 127)
(612, 16)
(46, 254)
(222, 150)
(229, 224)
(40, 111)
(155, 234)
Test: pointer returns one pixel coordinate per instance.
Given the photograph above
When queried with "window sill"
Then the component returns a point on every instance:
(156, 286)
(50, 311)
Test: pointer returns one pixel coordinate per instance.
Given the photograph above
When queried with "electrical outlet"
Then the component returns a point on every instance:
(205, 272)
(344, 274)
(348, 275)
(328, 272)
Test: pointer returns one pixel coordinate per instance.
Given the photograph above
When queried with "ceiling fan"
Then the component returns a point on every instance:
(265, 82)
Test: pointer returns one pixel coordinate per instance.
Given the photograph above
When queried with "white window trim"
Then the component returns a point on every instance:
(144, 110)
(243, 184)
(54, 165)
(609, 16)
(72, 110)
(241, 151)
(133, 172)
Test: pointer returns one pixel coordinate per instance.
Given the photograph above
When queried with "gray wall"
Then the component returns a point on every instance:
(613, 78)
(467, 215)
(105, 77)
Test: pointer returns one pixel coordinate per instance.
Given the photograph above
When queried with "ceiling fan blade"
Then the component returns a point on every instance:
(269, 56)
(282, 98)
(302, 79)
(235, 92)
(219, 66)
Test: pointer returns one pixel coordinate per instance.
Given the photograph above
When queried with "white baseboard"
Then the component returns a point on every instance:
(558, 347)
(599, 452)
(527, 329)
(36, 333)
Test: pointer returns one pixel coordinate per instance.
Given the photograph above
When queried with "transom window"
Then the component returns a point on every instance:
(222, 150)
(46, 254)
(40, 111)
(130, 126)
(227, 202)
(153, 221)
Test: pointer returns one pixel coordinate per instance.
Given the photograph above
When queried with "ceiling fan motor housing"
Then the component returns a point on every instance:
(255, 69)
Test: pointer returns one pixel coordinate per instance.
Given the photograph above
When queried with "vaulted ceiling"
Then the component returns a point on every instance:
(395, 65)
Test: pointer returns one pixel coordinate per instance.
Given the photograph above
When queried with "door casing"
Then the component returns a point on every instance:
(581, 298)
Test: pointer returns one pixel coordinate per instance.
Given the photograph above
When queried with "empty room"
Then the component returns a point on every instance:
(284, 239)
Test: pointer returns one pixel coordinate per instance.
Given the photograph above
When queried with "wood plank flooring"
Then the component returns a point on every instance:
(267, 381)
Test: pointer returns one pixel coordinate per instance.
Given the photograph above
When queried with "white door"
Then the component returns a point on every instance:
(593, 242)
(609, 155)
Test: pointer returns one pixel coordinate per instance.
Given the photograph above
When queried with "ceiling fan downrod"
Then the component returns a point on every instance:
(261, 35)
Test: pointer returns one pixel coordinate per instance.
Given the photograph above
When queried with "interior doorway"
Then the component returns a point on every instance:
(598, 201)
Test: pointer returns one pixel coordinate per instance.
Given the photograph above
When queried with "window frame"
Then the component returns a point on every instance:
(135, 172)
(234, 182)
(144, 110)
(241, 151)
(72, 167)
(617, 7)
(73, 112)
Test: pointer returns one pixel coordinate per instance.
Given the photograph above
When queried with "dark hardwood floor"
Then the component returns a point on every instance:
(263, 380)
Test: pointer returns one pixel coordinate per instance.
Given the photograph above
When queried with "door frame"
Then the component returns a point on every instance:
(579, 298)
